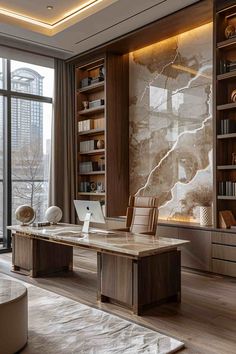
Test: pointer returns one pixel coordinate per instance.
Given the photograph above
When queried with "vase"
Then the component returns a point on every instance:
(205, 215)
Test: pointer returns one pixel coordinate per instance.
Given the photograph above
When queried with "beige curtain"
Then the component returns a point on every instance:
(62, 186)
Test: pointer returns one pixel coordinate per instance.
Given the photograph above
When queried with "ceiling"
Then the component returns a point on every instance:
(74, 26)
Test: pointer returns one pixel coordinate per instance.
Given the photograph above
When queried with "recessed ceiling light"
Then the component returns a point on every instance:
(50, 7)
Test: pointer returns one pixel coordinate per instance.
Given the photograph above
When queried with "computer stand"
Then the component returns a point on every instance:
(85, 228)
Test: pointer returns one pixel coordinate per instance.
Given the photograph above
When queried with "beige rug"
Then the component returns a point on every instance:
(58, 325)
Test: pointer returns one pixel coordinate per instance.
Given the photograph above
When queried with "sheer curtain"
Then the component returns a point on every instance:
(62, 190)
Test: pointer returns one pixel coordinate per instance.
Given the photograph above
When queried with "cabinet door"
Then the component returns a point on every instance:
(196, 254)
(167, 231)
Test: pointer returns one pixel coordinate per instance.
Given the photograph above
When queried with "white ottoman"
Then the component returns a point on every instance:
(13, 316)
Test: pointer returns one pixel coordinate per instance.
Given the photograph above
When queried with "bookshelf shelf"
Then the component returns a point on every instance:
(226, 197)
(91, 111)
(226, 136)
(226, 167)
(93, 173)
(92, 132)
(92, 88)
(93, 152)
(226, 106)
(227, 44)
(227, 76)
(92, 194)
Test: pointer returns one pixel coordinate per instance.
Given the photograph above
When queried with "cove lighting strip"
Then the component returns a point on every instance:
(67, 16)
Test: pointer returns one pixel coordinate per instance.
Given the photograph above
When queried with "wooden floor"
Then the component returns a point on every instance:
(205, 320)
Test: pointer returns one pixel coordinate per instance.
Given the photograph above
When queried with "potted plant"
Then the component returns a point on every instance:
(201, 197)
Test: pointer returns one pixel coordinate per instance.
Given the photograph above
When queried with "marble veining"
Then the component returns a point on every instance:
(121, 242)
(63, 326)
(171, 120)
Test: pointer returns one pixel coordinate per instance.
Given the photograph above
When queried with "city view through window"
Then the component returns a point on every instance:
(30, 139)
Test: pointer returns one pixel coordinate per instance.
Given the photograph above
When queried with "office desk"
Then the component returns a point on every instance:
(138, 271)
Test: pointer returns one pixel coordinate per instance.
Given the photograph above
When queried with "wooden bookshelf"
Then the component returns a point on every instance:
(224, 107)
(103, 167)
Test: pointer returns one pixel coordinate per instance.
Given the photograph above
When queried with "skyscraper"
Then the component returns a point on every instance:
(27, 115)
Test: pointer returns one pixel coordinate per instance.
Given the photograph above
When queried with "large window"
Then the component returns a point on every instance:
(25, 137)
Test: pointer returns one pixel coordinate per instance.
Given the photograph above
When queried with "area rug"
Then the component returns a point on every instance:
(58, 325)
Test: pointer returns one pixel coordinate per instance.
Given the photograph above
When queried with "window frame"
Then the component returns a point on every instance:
(7, 178)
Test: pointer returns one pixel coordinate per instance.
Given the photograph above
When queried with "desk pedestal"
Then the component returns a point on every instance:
(37, 258)
(139, 283)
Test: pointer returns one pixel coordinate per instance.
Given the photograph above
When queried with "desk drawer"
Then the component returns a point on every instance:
(224, 267)
(224, 238)
(227, 253)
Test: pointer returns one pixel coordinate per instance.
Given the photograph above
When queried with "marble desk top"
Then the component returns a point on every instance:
(10, 291)
(119, 242)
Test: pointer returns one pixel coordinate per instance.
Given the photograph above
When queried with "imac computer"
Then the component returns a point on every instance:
(87, 211)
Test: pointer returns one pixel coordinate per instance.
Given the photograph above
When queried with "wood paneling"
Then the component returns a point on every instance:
(40, 257)
(227, 253)
(116, 278)
(196, 254)
(117, 152)
(140, 284)
(224, 238)
(224, 267)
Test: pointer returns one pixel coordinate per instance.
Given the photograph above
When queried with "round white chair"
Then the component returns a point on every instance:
(13, 316)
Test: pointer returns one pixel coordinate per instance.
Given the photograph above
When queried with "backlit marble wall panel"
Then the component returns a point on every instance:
(171, 120)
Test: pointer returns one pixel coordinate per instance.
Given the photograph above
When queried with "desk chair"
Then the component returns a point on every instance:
(141, 215)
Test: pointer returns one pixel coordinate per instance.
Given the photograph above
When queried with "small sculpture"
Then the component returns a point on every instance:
(100, 144)
(53, 214)
(25, 214)
(229, 31)
(233, 95)
(234, 158)
(85, 104)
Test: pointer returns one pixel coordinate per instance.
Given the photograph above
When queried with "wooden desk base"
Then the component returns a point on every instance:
(139, 284)
(135, 283)
(37, 258)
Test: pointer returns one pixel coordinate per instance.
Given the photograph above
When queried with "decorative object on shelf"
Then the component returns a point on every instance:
(100, 144)
(96, 103)
(25, 214)
(53, 214)
(205, 215)
(101, 163)
(100, 188)
(85, 82)
(229, 31)
(226, 219)
(233, 96)
(200, 197)
(93, 186)
(233, 158)
(85, 104)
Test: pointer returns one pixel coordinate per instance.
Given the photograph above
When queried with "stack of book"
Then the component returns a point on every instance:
(99, 123)
(85, 187)
(227, 66)
(227, 126)
(88, 145)
(227, 188)
(90, 166)
(85, 125)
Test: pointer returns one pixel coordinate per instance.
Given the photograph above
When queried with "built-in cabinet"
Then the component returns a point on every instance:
(225, 107)
(102, 127)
